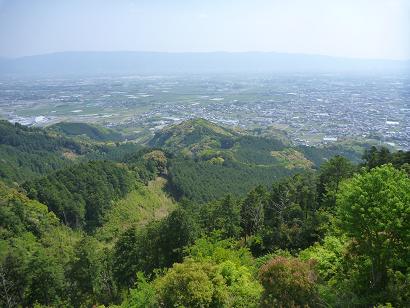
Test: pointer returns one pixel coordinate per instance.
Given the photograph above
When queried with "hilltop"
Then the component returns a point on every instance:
(194, 136)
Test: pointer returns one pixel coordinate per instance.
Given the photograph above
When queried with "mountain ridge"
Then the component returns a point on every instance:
(139, 62)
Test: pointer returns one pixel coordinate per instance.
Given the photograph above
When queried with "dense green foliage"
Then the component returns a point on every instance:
(25, 152)
(33, 249)
(256, 224)
(210, 161)
(158, 245)
(79, 195)
(320, 155)
(214, 273)
(204, 181)
(373, 210)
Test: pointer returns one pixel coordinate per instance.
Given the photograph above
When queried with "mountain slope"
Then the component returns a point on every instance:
(29, 152)
(210, 161)
(81, 194)
(139, 207)
(26, 152)
(206, 141)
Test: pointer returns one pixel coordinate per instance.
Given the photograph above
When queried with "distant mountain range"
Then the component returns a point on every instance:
(120, 63)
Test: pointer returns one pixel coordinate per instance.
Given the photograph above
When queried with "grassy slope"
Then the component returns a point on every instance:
(139, 207)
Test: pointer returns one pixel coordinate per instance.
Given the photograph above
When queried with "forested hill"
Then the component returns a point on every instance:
(204, 140)
(193, 136)
(210, 161)
(210, 217)
(206, 161)
(27, 152)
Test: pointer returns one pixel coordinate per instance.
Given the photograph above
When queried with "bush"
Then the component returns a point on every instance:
(288, 282)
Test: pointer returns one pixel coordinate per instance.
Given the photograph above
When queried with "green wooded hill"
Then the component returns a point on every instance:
(27, 152)
(92, 131)
(256, 223)
(203, 140)
(210, 161)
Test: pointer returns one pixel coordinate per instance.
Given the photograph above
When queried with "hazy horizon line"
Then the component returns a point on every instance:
(204, 52)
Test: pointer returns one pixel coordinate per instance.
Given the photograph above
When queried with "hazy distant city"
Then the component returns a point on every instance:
(312, 109)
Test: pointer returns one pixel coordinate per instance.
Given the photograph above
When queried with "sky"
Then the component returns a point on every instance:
(345, 28)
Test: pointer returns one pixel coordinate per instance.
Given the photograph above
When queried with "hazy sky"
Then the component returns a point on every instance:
(350, 28)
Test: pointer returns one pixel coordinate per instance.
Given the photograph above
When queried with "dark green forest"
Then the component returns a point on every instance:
(241, 221)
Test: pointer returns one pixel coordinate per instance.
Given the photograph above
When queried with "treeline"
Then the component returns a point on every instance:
(374, 157)
(290, 215)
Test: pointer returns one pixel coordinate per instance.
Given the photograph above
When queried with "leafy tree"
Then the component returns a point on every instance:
(228, 217)
(81, 273)
(235, 264)
(126, 257)
(216, 250)
(90, 274)
(214, 274)
(333, 269)
(288, 282)
(292, 220)
(192, 284)
(177, 231)
(373, 209)
(12, 278)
